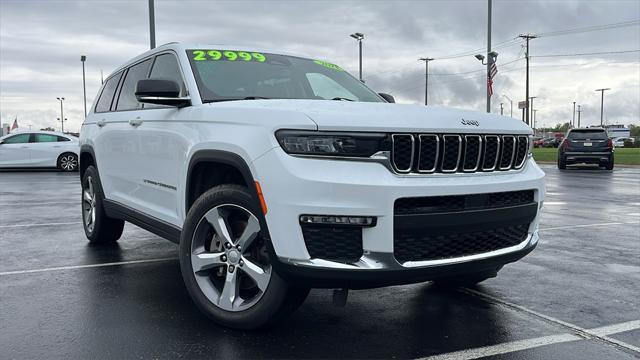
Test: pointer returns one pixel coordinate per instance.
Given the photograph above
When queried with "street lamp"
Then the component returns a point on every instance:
(359, 37)
(62, 122)
(491, 59)
(602, 102)
(426, 79)
(83, 58)
(510, 101)
(573, 118)
(61, 99)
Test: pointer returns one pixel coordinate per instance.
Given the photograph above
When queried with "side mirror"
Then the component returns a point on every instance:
(388, 98)
(162, 92)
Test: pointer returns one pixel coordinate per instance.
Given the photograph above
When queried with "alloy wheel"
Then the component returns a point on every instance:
(229, 258)
(68, 163)
(89, 204)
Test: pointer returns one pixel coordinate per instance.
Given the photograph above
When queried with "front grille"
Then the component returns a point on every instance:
(450, 153)
(456, 203)
(334, 243)
(418, 245)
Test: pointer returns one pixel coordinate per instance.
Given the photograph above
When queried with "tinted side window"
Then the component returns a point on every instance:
(109, 89)
(17, 139)
(166, 67)
(127, 99)
(41, 138)
(62, 138)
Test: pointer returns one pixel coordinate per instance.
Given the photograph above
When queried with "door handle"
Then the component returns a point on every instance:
(135, 122)
(101, 123)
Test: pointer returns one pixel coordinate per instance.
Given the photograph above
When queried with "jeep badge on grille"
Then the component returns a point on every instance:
(470, 122)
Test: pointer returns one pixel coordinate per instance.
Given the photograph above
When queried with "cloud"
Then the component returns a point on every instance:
(41, 42)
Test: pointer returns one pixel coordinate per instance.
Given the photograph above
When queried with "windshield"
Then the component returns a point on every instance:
(237, 75)
(588, 134)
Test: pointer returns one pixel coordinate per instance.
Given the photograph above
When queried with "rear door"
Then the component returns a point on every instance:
(15, 151)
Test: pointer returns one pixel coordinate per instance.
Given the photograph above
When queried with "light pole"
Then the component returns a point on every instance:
(83, 58)
(531, 98)
(359, 37)
(61, 99)
(152, 25)
(491, 58)
(534, 120)
(573, 120)
(62, 122)
(579, 111)
(510, 101)
(426, 79)
(527, 107)
(602, 103)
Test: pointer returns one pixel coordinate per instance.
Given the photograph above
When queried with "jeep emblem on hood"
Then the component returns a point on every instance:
(470, 122)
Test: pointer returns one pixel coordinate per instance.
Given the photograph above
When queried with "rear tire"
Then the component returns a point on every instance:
(98, 227)
(610, 163)
(225, 263)
(68, 162)
(562, 163)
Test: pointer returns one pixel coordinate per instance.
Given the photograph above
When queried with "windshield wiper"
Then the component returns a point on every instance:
(238, 99)
(342, 99)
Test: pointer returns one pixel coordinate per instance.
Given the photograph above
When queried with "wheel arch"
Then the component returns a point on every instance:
(87, 158)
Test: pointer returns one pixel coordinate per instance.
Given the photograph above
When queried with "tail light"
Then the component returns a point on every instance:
(610, 143)
(565, 144)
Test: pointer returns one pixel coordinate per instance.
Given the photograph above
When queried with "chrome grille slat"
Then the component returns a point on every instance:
(423, 148)
(451, 153)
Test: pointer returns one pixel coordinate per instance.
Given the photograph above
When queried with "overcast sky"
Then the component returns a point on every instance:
(41, 43)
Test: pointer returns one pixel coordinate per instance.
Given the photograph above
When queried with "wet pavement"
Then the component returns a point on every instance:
(574, 297)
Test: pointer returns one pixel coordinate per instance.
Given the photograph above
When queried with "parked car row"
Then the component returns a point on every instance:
(550, 142)
(39, 149)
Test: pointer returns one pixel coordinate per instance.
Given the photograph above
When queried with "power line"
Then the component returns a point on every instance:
(592, 53)
(590, 28)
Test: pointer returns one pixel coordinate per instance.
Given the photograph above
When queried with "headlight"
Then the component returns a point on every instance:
(332, 143)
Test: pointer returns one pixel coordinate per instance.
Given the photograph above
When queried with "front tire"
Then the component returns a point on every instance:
(68, 162)
(225, 263)
(98, 227)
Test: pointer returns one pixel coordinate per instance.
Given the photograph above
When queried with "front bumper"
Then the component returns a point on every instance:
(295, 186)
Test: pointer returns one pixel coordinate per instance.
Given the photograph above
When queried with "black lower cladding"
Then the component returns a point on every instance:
(334, 243)
(431, 229)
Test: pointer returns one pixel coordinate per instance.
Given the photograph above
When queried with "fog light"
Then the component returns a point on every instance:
(338, 220)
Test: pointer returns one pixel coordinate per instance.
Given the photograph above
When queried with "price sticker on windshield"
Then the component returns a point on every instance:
(328, 65)
(227, 55)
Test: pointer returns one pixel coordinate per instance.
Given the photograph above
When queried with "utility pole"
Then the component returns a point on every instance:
(573, 120)
(501, 111)
(527, 37)
(83, 58)
(152, 25)
(489, 57)
(531, 99)
(579, 111)
(61, 99)
(426, 79)
(359, 37)
(511, 102)
(534, 120)
(602, 103)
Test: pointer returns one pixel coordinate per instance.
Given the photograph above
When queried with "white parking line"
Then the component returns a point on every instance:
(84, 266)
(555, 203)
(17, 203)
(45, 224)
(595, 334)
(581, 226)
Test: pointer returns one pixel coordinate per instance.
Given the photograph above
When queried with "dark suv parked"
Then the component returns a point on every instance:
(586, 146)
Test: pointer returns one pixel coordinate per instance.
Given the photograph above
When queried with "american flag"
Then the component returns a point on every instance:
(15, 124)
(493, 70)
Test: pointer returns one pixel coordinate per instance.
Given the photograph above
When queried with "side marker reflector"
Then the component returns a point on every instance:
(263, 204)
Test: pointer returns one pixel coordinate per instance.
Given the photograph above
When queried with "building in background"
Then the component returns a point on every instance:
(616, 131)
(4, 130)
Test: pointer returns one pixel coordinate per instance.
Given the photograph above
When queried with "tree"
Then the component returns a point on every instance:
(634, 130)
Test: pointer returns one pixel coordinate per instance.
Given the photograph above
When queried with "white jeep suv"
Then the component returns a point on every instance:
(276, 173)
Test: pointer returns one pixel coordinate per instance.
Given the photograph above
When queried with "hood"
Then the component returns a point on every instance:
(385, 117)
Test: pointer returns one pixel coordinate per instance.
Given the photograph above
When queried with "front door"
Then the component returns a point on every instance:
(15, 151)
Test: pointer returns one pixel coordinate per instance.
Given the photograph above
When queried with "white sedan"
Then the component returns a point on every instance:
(39, 149)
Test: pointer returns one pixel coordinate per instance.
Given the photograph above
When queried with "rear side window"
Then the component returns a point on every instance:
(62, 138)
(17, 139)
(588, 134)
(104, 103)
(41, 138)
(166, 67)
(127, 99)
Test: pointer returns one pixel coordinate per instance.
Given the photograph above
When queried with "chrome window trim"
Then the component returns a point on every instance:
(413, 150)
(524, 158)
(435, 162)
(464, 160)
(513, 152)
(444, 152)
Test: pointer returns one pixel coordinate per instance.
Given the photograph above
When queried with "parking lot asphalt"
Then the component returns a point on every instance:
(575, 297)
